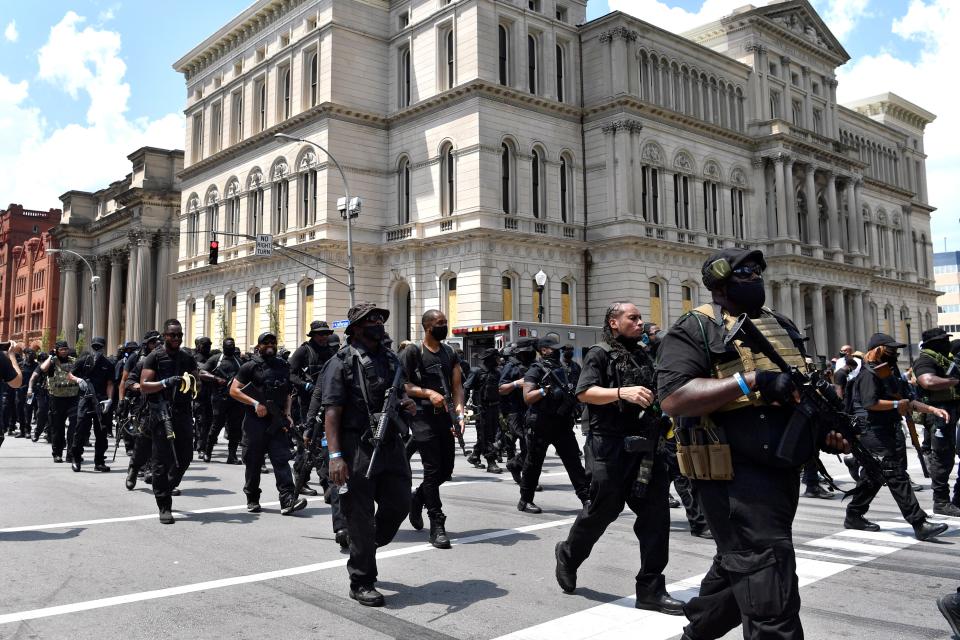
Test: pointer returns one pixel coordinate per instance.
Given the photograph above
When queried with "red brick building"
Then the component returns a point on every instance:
(29, 279)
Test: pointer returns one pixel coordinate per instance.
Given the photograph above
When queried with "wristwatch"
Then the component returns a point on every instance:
(896, 404)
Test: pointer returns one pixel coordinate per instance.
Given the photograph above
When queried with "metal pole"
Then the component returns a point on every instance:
(539, 304)
(909, 343)
(93, 288)
(351, 286)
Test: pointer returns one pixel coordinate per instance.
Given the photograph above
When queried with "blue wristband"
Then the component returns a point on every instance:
(336, 454)
(742, 383)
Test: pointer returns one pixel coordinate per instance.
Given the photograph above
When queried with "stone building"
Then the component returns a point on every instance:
(490, 139)
(28, 286)
(128, 234)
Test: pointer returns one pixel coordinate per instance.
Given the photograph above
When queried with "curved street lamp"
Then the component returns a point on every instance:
(94, 280)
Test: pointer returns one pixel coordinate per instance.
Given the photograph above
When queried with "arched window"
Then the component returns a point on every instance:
(401, 315)
(650, 193)
(254, 322)
(450, 309)
(566, 303)
(447, 179)
(190, 318)
(507, 162)
(278, 312)
(306, 306)
(450, 50)
(503, 55)
(213, 214)
(286, 93)
(566, 208)
(403, 191)
(230, 310)
(262, 105)
(233, 214)
(209, 317)
(737, 216)
(308, 198)
(711, 209)
(656, 304)
(532, 64)
(405, 73)
(255, 210)
(314, 79)
(681, 201)
(193, 226)
(506, 297)
(801, 199)
(536, 184)
(686, 298)
(561, 73)
(281, 206)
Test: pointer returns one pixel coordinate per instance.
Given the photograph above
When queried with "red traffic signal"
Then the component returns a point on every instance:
(214, 252)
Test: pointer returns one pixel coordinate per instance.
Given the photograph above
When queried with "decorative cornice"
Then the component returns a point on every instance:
(627, 125)
(619, 32)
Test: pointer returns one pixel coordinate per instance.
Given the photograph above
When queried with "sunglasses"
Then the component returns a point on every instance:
(376, 317)
(746, 271)
(174, 335)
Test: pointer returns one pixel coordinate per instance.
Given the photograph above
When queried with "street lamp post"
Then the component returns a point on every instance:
(345, 205)
(94, 280)
(906, 321)
(79, 332)
(541, 279)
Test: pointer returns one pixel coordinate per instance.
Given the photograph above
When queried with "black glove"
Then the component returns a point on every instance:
(172, 381)
(775, 386)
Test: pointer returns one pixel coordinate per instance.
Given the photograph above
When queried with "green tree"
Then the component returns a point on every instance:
(274, 315)
(222, 323)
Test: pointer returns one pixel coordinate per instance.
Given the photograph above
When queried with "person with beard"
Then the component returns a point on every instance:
(64, 396)
(940, 390)
(38, 398)
(305, 365)
(25, 409)
(269, 376)
(355, 383)
(626, 461)
(217, 373)
(512, 405)
(433, 427)
(708, 384)
(484, 384)
(551, 409)
(160, 380)
(875, 400)
(202, 404)
(94, 375)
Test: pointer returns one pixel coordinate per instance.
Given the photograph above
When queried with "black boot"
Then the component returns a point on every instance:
(925, 530)
(949, 606)
(438, 535)
(529, 507)
(416, 511)
(291, 505)
(492, 466)
(166, 510)
(856, 521)
(474, 459)
(232, 453)
(131, 481)
(343, 539)
(367, 596)
(566, 577)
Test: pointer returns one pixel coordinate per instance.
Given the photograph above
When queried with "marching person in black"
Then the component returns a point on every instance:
(10, 373)
(484, 385)
(38, 398)
(218, 373)
(874, 399)
(512, 406)
(64, 394)
(93, 372)
(627, 463)
(570, 366)
(430, 367)
(202, 407)
(142, 442)
(305, 365)
(355, 384)
(551, 412)
(150, 341)
(938, 389)
(25, 410)
(729, 392)
(263, 384)
(169, 420)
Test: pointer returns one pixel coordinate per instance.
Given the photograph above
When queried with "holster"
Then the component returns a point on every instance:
(702, 454)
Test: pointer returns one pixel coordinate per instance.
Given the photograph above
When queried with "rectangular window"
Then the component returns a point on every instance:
(405, 77)
(196, 139)
(281, 204)
(452, 302)
(236, 117)
(533, 5)
(561, 14)
(656, 305)
(306, 308)
(308, 199)
(446, 72)
(404, 20)
(255, 209)
(313, 77)
(561, 73)
(260, 104)
(532, 64)
(233, 220)
(216, 123)
(566, 313)
(285, 93)
(506, 297)
(503, 55)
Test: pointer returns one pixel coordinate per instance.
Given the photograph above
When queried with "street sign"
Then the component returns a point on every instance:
(264, 245)
(340, 324)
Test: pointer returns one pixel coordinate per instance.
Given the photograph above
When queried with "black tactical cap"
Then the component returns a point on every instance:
(131, 344)
(883, 340)
(525, 345)
(734, 257)
(262, 338)
(360, 311)
(61, 344)
(321, 327)
(150, 335)
(99, 341)
(489, 353)
(936, 333)
(548, 342)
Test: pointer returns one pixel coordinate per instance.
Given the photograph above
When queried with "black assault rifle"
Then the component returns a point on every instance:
(278, 417)
(451, 406)
(314, 455)
(819, 411)
(380, 422)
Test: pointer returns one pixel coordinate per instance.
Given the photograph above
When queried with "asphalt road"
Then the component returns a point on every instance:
(82, 557)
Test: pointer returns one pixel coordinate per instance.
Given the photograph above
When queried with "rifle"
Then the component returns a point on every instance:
(570, 399)
(912, 428)
(451, 408)
(278, 417)
(314, 454)
(819, 411)
(387, 415)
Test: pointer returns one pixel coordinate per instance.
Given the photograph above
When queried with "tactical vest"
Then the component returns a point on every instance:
(60, 385)
(627, 371)
(360, 370)
(490, 388)
(275, 380)
(773, 331)
(940, 395)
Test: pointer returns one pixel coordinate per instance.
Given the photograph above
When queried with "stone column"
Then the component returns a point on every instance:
(852, 247)
(758, 208)
(787, 90)
(813, 219)
(69, 303)
(778, 175)
(834, 218)
(807, 102)
(162, 278)
(867, 320)
(860, 313)
(764, 71)
(797, 299)
(875, 257)
(170, 305)
(793, 226)
(784, 301)
(146, 291)
(102, 264)
(114, 336)
(756, 89)
(819, 319)
(839, 320)
(133, 268)
(858, 215)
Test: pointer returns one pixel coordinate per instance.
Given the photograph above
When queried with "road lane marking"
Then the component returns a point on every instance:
(619, 620)
(155, 594)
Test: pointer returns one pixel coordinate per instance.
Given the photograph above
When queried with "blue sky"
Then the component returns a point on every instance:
(88, 81)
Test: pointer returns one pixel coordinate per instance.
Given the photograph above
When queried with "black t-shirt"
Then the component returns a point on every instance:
(614, 418)
(513, 401)
(132, 361)
(926, 364)
(423, 367)
(7, 372)
(165, 364)
(867, 390)
(271, 376)
(95, 369)
(840, 377)
(222, 366)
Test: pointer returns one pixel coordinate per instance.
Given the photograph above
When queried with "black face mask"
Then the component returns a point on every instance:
(268, 352)
(748, 295)
(374, 333)
(553, 357)
(229, 349)
(940, 346)
(525, 357)
(629, 343)
(439, 332)
(490, 363)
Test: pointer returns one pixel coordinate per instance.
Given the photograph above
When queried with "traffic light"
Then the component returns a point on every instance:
(214, 252)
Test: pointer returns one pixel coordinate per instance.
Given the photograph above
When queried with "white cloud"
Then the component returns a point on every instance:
(38, 163)
(932, 25)
(11, 33)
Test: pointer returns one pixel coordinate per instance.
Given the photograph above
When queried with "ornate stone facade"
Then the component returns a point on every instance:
(489, 141)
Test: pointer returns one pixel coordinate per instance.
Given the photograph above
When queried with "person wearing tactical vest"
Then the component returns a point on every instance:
(202, 404)
(39, 399)
(263, 385)
(25, 410)
(94, 375)
(64, 396)
(355, 384)
(938, 388)
(874, 399)
(484, 385)
(10, 374)
(169, 419)
(218, 373)
(512, 405)
(551, 413)
(142, 439)
(733, 405)
(305, 365)
(432, 368)
(627, 464)
(150, 341)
